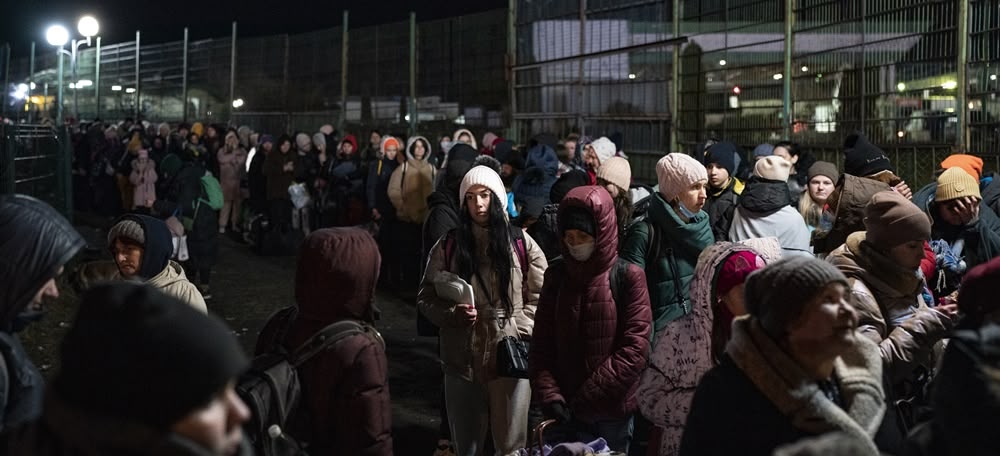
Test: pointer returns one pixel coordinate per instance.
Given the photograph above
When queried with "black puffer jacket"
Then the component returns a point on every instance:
(35, 241)
(546, 231)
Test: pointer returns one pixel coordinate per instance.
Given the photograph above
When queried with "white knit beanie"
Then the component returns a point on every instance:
(616, 171)
(482, 175)
(677, 172)
(773, 167)
(604, 148)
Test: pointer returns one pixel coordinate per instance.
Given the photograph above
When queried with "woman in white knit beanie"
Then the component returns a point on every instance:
(493, 259)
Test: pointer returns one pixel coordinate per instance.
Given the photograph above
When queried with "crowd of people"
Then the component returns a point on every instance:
(748, 303)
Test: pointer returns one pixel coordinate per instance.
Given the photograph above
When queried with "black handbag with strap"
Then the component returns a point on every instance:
(512, 357)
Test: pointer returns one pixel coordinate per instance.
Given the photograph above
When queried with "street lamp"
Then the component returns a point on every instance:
(57, 36)
(88, 27)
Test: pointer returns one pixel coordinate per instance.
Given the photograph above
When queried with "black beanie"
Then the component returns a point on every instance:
(565, 183)
(137, 355)
(723, 154)
(576, 218)
(862, 158)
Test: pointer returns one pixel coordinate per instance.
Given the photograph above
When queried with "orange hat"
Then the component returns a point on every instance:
(970, 163)
(391, 140)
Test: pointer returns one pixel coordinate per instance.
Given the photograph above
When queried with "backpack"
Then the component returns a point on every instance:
(212, 190)
(271, 387)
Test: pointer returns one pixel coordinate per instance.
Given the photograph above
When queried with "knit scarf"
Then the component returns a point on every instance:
(800, 398)
(876, 263)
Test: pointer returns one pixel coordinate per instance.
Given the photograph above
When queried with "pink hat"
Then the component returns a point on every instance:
(676, 172)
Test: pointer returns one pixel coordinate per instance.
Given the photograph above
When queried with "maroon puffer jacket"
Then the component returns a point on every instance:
(580, 353)
(346, 388)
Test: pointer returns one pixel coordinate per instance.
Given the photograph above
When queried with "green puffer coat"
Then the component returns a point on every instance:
(680, 243)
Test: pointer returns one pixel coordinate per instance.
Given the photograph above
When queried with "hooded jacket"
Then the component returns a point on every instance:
(65, 430)
(764, 211)
(669, 275)
(847, 203)
(459, 132)
(157, 269)
(377, 185)
(411, 184)
(469, 352)
(684, 354)
(587, 350)
(443, 205)
(35, 242)
(544, 159)
(891, 309)
(346, 387)
(758, 398)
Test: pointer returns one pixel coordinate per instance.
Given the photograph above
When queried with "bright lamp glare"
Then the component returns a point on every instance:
(116, 88)
(238, 103)
(57, 35)
(84, 83)
(88, 26)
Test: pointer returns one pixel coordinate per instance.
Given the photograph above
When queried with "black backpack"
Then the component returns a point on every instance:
(279, 426)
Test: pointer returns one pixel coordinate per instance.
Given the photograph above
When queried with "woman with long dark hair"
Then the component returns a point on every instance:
(505, 269)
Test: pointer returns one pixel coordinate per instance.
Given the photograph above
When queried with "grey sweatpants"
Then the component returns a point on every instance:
(501, 404)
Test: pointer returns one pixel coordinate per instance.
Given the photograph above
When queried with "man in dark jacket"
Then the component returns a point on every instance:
(588, 350)
(346, 387)
(256, 178)
(35, 243)
(201, 222)
(724, 189)
(545, 230)
(140, 373)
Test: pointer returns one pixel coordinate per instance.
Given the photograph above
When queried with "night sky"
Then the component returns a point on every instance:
(22, 21)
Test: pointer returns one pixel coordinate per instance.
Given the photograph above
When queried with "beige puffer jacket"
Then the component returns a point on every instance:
(890, 305)
(171, 281)
(469, 352)
(411, 184)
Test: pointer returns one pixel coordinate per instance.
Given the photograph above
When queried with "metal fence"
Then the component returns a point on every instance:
(671, 73)
(282, 81)
(34, 161)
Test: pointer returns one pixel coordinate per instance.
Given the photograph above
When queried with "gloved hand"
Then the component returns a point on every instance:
(557, 411)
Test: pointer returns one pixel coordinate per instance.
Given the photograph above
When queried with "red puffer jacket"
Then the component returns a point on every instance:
(581, 354)
(346, 387)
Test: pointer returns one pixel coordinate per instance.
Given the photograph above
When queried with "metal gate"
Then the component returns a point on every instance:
(34, 161)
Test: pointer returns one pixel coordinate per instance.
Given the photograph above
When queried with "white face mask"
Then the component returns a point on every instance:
(581, 252)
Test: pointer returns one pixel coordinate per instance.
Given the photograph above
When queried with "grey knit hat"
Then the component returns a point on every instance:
(777, 294)
(128, 229)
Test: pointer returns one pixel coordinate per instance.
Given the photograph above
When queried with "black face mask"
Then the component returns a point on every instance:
(25, 318)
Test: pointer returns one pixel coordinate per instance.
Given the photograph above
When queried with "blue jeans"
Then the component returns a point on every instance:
(616, 431)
